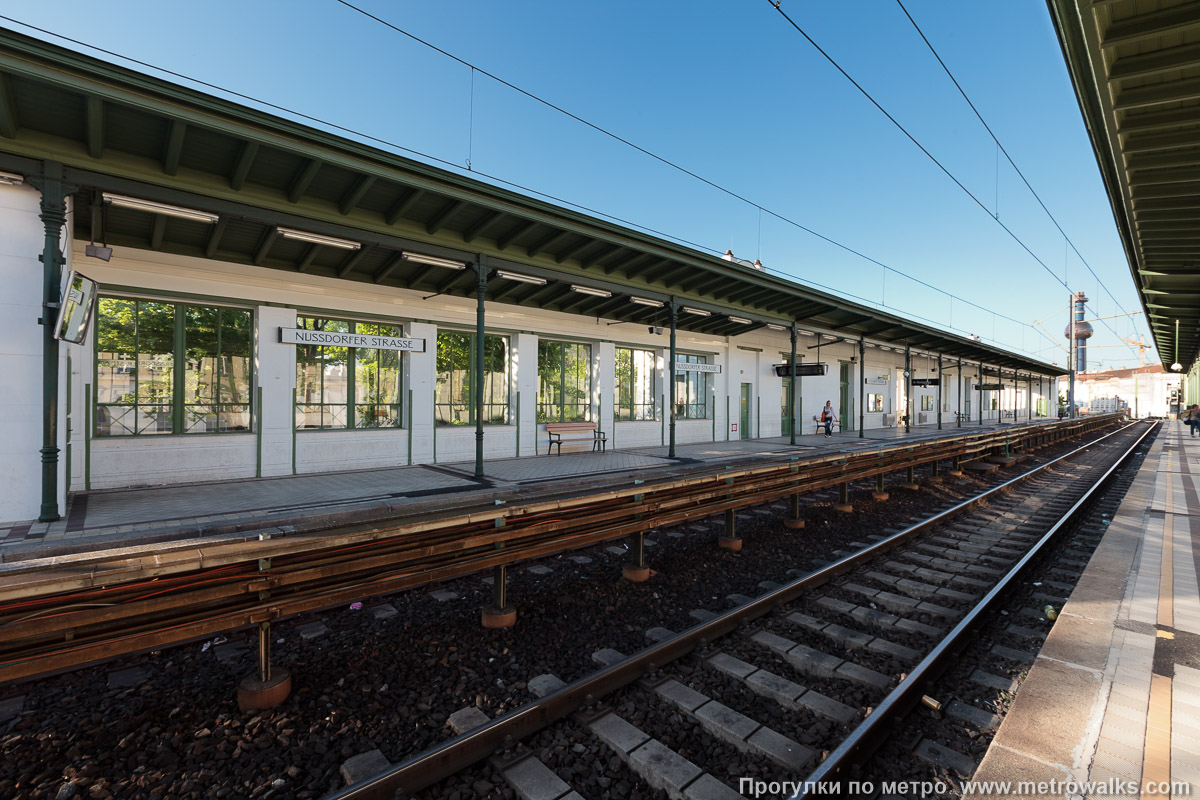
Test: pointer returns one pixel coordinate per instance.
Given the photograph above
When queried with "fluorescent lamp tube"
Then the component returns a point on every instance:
(591, 291)
(137, 204)
(316, 238)
(518, 277)
(433, 261)
(741, 320)
(699, 312)
(645, 301)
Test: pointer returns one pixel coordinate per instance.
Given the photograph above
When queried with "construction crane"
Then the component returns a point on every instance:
(1140, 344)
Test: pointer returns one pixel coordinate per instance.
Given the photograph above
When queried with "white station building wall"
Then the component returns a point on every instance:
(275, 297)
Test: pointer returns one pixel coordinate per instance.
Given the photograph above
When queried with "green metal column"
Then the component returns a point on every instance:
(862, 384)
(53, 213)
(939, 399)
(959, 416)
(481, 292)
(980, 392)
(792, 385)
(674, 312)
(907, 388)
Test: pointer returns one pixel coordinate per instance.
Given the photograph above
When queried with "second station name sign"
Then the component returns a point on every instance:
(689, 366)
(338, 339)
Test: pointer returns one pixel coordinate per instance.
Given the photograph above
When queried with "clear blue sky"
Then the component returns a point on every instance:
(730, 91)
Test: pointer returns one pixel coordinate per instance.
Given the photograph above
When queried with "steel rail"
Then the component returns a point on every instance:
(431, 766)
(309, 581)
(842, 763)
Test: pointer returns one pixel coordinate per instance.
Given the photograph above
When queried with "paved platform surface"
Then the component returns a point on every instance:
(113, 517)
(1114, 695)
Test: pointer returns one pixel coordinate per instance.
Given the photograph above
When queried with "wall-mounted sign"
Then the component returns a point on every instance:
(800, 370)
(336, 339)
(687, 366)
(880, 381)
(990, 387)
(926, 381)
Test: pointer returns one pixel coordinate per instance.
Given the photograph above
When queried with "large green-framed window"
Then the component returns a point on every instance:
(454, 402)
(166, 367)
(347, 387)
(564, 381)
(691, 389)
(635, 372)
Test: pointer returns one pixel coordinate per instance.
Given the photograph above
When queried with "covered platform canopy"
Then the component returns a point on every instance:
(118, 131)
(1135, 65)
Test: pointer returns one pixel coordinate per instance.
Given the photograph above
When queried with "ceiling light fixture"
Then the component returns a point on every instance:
(11, 179)
(806, 333)
(589, 290)
(433, 261)
(699, 312)
(776, 327)
(316, 238)
(646, 301)
(137, 204)
(519, 278)
(741, 320)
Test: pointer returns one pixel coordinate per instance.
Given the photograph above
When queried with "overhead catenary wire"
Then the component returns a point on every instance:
(1001, 149)
(661, 159)
(915, 141)
(470, 168)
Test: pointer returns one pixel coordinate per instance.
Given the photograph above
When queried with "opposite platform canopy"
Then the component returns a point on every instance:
(121, 132)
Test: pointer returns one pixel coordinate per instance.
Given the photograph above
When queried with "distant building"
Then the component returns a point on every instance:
(1145, 391)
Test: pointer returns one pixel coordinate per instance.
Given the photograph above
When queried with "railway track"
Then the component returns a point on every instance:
(72, 611)
(833, 660)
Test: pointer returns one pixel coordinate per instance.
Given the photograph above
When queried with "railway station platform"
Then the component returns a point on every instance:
(124, 517)
(1114, 695)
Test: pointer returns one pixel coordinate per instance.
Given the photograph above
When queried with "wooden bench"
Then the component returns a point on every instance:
(582, 431)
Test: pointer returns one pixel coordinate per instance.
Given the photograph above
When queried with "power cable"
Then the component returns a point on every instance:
(521, 187)
(1002, 149)
(913, 139)
(667, 162)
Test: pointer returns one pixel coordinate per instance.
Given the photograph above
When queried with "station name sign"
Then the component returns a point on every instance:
(338, 339)
(687, 366)
(926, 381)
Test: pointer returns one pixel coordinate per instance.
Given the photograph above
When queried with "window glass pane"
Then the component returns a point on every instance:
(135, 363)
(156, 364)
(495, 379)
(202, 331)
(550, 376)
(116, 351)
(322, 378)
(236, 365)
(452, 401)
(635, 372)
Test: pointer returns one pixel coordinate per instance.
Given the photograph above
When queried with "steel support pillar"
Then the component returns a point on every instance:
(674, 315)
(53, 213)
(793, 520)
(880, 493)
(843, 503)
(791, 388)
(481, 292)
(636, 570)
(862, 385)
(499, 614)
(729, 538)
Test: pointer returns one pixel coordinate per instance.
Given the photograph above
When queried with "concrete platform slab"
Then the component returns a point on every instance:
(1098, 702)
